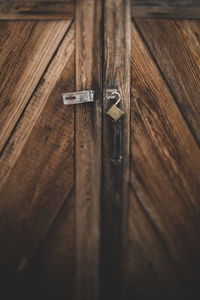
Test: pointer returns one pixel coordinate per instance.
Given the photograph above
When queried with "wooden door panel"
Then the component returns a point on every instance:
(37, 163)
(26, 50)
(50, 274)
(175, 48)
(164, 242)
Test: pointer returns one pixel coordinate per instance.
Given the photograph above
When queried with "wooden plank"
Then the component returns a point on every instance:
(88, 148)
(37, 166)
(36, 9)
(175, 47)
(52, 269)
(151, 272)
(164, 242)
(38, 101)
(49, 10)
(19, 76)
(117, 37)
(183, 9)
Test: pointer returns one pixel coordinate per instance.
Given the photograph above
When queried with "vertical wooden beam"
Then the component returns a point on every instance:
(88, 147)
(117, 43)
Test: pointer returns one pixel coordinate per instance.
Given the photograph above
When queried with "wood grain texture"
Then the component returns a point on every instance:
(50, 274)
(36, 9)
(117, 38)
(25, 51)
(60, 9)
(183, 9)
(19, 138)
(38, 162)
(175, 46)
(88, 148)
(164, 243)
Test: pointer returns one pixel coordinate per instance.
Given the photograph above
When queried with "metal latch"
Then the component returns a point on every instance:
(115, 113)
(78, 97)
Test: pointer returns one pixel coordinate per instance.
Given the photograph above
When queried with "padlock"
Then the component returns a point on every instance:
(115, 112)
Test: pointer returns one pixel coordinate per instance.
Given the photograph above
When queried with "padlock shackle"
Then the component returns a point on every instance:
(113, 95)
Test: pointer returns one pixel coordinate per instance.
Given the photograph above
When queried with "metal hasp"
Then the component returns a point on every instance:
(78, 97)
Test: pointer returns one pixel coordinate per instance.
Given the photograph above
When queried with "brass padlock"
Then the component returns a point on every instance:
(115, 112)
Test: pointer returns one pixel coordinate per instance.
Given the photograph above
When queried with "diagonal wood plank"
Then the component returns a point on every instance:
(36, 9)
(175, 46)
(52, 269)
(41, 173)
(183, 9)
(165, 182)
(35, 108)
(152, 273)
(26, 49)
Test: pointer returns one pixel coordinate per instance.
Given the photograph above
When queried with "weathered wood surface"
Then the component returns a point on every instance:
(183, 9)
(164, 243)
(38, 101)
(36, 9)
(117, 39)
(88, 148)
(37, 165)
(176, 44)
(19, 75)
(50, 274)
(64, 9)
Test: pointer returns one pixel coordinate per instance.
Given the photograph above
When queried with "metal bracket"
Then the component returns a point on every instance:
(109, 92)
(78, 97)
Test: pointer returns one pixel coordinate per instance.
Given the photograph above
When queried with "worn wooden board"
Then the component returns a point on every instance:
(50, 274)
(48, 10)
(19, 75)
(38, 101)
(37, 165)
(164, 243)
(36, 9)
(88, 148)
(117, 38)
(183, 9)
(175, 46)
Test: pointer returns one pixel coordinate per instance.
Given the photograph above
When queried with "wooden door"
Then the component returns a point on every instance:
(73, 224)
(37, 154)
(163, 221)
(50, 165)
